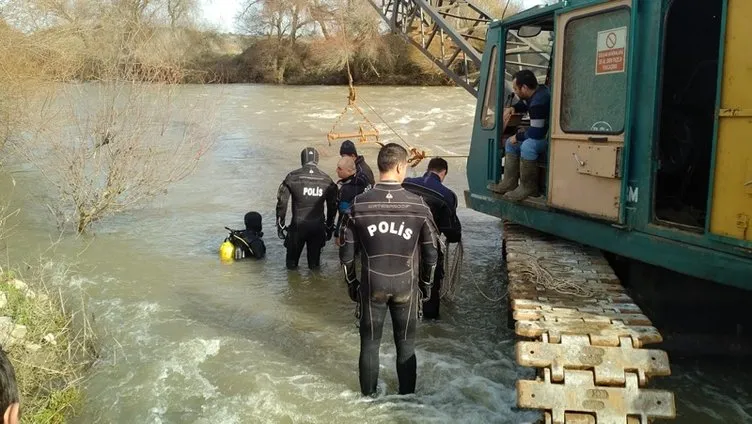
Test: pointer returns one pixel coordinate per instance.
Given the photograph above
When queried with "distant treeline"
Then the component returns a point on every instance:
(309, 63)
(279, 42)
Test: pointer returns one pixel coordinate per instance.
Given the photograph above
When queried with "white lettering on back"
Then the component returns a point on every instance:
(384, 227)
(313, 191)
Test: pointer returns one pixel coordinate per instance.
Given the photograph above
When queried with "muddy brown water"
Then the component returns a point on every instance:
(187, 339)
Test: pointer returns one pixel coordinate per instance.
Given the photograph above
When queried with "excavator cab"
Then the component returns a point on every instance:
(648, 154)
(526, 45)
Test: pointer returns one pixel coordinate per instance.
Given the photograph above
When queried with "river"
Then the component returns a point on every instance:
(187, 339)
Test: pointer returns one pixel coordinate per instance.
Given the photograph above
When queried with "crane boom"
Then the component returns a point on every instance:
(451, 33)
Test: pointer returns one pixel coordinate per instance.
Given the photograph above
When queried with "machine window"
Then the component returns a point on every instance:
(594, 74)
(488, 117)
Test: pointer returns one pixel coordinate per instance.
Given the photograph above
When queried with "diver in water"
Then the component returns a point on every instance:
(246, 243)
(396, 233)
(310, 188)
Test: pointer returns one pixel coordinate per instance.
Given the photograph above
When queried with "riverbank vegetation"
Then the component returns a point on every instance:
(49, 341)
(276, 41)
(87, 91)
(46, 335)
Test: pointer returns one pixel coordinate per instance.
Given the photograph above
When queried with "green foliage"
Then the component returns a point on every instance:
(49, 378)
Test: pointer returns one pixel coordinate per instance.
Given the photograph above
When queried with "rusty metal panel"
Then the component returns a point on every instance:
(589, 335)
(601, 333)
(733, 112)
(571, 418)
(575, 191)
(584, 305)
(598, 160)
(610, 405)
(594, 315)
(609, 364)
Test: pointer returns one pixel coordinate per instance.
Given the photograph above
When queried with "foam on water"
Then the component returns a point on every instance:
(428, 126)
(406, 119)
(323, 115)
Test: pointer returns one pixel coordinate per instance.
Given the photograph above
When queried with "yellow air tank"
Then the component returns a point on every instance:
(226, 251)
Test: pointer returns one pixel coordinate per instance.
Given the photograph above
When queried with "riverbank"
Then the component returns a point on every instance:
(48, 340)
(315, 62)
(184, 55)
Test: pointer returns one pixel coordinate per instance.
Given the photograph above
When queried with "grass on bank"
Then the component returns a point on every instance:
(49, 369)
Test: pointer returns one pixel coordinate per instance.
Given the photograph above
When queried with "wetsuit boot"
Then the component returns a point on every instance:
(510, 177)
(528, 181)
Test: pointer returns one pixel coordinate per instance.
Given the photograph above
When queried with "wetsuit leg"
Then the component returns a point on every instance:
(294, 247)
(371, 326)
(431, 307)
(404, 324)
(315, 240)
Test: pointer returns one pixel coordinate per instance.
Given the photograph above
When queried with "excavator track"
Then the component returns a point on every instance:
(585, 335)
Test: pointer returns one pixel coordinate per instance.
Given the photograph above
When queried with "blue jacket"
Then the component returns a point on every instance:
(538, 107)
(441, 200)
(348, 189)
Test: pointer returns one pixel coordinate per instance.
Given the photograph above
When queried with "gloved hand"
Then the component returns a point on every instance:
(425, 280)
(281, 232)
(329, 232)
(425, 290)
(352, 290)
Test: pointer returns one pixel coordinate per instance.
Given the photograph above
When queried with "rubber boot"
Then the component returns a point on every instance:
(528, 181)
(510, 177)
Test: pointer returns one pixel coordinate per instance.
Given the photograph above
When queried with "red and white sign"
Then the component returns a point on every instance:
(612, 51)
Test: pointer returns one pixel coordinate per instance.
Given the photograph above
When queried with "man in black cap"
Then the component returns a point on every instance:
(310, 189)
(363, 171)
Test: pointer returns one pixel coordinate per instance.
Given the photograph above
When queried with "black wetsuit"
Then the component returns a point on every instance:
(443, 204)
(248, 244)
(310, 189)
(395, 231)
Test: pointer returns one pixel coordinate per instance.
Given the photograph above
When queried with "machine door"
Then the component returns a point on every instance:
(731, 213)
(589, 122)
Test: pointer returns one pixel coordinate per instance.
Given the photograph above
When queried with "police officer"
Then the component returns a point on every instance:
(310, 189)
(390, 225)
(443, 204)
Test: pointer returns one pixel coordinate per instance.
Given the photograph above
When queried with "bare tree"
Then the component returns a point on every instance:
(179, 11)
(114, 144)
(267, 18)
(118, 145)
(281, 22)
(321, 12)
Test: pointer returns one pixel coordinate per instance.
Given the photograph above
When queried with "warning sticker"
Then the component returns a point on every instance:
(612, 51)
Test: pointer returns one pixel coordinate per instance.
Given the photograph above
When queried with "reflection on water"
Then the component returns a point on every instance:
(190, 340)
